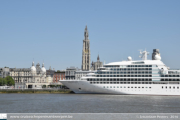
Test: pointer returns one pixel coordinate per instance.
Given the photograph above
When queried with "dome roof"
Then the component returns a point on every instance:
(33, 69)
(43, 69)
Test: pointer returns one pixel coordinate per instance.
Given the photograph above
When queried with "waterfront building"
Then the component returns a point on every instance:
(70, 73)
(59, 75)
(50, 72)
(4, 72)
(96, 65)
(34, 77)
(86, 55)
(49, 79)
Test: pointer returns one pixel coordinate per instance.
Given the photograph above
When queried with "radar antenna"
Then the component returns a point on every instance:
(143, 54)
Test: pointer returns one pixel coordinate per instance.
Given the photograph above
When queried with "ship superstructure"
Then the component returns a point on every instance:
(150, 77)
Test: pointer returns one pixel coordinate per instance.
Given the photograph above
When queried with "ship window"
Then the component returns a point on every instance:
(162, 87)
(135, 87)
(142, 87)
(131, 87)
(103, 86)
(110, 86)
(177, 87)
(138, 87)
(107, 87)
(170, 87)
(124, 87)
(174, 87)
(149, 87)
(117, 86)
(128, 87)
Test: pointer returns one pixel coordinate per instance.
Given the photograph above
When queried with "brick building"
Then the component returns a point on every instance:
(59, 75)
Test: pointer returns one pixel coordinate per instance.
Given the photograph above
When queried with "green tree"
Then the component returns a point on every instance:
(9, 80)
(3, 82)
(58, 71)
(44, 86)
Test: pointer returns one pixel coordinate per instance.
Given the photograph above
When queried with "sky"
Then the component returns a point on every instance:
(52, 31)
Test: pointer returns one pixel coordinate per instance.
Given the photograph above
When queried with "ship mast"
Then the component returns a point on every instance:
(143, 54)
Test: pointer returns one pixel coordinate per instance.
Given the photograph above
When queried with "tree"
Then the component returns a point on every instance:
(9, 80)
(58, 71)
(44, 86)
(3, 82)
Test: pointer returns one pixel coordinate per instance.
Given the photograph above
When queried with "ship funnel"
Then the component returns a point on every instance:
(156, 55)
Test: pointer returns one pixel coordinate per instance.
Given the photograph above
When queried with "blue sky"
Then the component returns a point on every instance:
(53, 31)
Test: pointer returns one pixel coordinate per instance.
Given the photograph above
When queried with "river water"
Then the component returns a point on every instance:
(87, 103)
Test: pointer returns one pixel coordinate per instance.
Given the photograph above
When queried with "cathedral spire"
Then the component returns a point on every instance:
(43, 65)
(33, 63)
(98, 57)
(86, 35)
(86, 56)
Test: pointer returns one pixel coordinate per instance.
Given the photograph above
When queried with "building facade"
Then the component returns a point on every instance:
(70, 73)
(50, 72)
(60, 75)
(96, 65)
(34, 77)
(4, 72)
(86, 55)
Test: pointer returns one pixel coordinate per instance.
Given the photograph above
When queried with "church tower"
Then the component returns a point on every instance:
(86, 56)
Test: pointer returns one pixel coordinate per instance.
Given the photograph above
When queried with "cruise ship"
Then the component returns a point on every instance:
(141, 77)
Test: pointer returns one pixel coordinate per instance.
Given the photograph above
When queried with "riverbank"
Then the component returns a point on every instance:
(36, 91)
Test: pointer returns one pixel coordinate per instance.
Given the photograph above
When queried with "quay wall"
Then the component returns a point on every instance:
(40, 91)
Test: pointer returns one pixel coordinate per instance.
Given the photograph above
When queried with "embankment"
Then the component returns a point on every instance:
(36, 91)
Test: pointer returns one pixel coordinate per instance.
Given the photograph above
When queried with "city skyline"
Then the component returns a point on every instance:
(53, 33)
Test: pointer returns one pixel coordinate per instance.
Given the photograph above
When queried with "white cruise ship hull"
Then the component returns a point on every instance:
(83, 86)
